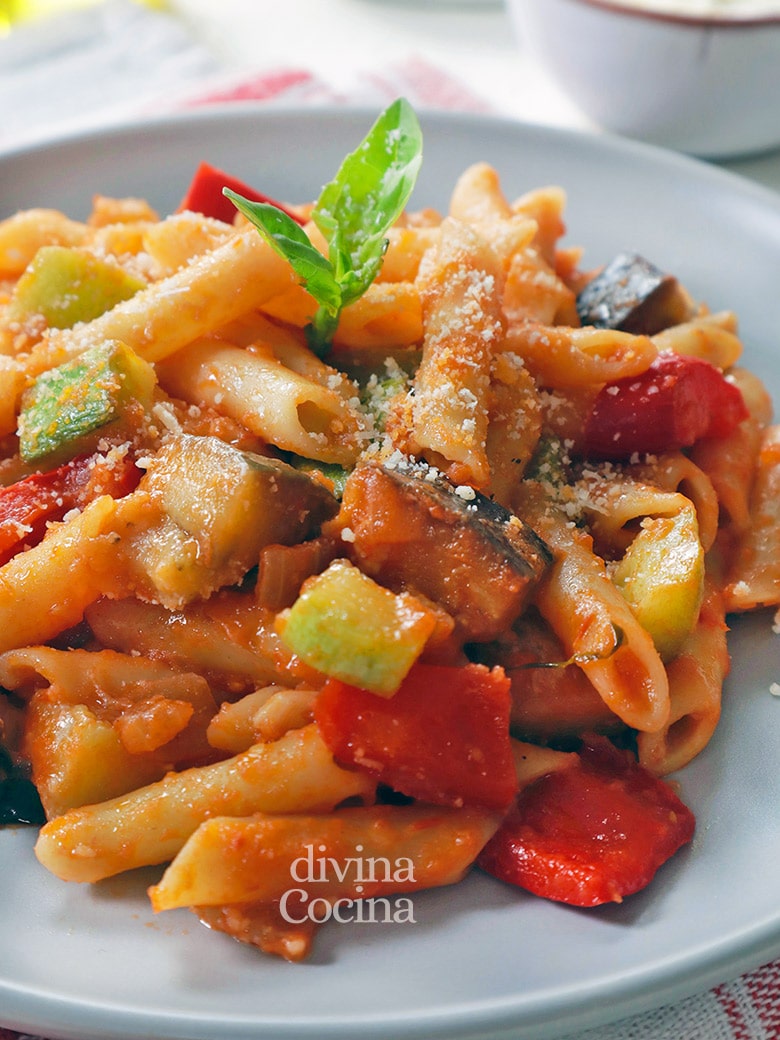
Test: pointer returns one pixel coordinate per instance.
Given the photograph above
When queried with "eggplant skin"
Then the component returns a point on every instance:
(508, 535)
(632, 295)
(414, 531)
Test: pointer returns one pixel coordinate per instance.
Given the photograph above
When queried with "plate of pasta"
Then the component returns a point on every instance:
(389, 556)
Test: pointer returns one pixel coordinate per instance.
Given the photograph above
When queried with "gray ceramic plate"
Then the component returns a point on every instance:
(481, 959)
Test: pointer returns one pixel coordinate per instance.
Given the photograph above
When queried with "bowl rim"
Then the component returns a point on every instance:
(702, 21)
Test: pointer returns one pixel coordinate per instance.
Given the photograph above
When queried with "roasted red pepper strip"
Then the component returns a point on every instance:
(204, 195)
(442, 738)
(27, 506)
(678, 400)
(590, 834)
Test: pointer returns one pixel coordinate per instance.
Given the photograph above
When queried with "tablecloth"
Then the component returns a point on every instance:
(120, 59)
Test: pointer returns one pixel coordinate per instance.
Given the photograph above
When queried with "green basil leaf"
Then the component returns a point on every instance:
(367, 195)
(291, 242)
(354, 212)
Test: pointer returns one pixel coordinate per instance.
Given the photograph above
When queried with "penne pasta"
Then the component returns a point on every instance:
(730, 463)
(427, 847)
(215, 288)
(565, 357)
(595, 624)
(343, 538)
(23, 234)
(387, 316)
(695, 681)
(677, 472)
(712, 337)
(77, 559)
(463, 326)
(265, 714)
(754, 578)
(406, 247)
(230, 639)
(514, 425)
(536, 293)
(174, 242)
(478, 198)
(295, 774)
(287, 409)
(545, 206)
(616, 506)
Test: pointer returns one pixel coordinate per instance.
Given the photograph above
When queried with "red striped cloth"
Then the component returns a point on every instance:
(746, 1009)
(422, 83)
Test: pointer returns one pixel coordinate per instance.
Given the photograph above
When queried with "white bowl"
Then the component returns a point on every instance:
(706, 85)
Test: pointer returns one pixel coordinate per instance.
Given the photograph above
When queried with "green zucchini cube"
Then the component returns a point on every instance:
(68, 405)
(350, 628)
(69, 285)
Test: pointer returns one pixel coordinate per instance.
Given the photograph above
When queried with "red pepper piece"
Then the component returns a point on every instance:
(677, 401)
(27, 506)
(204, 195)
(590, 834)
(442, 738)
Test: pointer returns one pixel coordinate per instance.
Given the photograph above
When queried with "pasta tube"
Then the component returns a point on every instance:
(294, 774)
(399, 849)
(564, 357)
(595, 623)
(463, 325)
(285, 408)
(215, 288)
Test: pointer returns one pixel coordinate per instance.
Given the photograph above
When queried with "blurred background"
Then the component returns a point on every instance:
(583, 65)
(566, 63)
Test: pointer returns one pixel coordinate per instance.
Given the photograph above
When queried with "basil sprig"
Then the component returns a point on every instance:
(353, 212)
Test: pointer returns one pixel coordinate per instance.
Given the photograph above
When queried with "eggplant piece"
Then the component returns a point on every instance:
(633, 295)
(218, 508)
(411, 530)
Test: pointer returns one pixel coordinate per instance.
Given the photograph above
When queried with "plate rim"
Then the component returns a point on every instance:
(249, 111)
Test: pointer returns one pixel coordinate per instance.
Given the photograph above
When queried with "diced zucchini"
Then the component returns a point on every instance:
(69, 404)
(69, 285)
(662, 577)
(348, 627)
